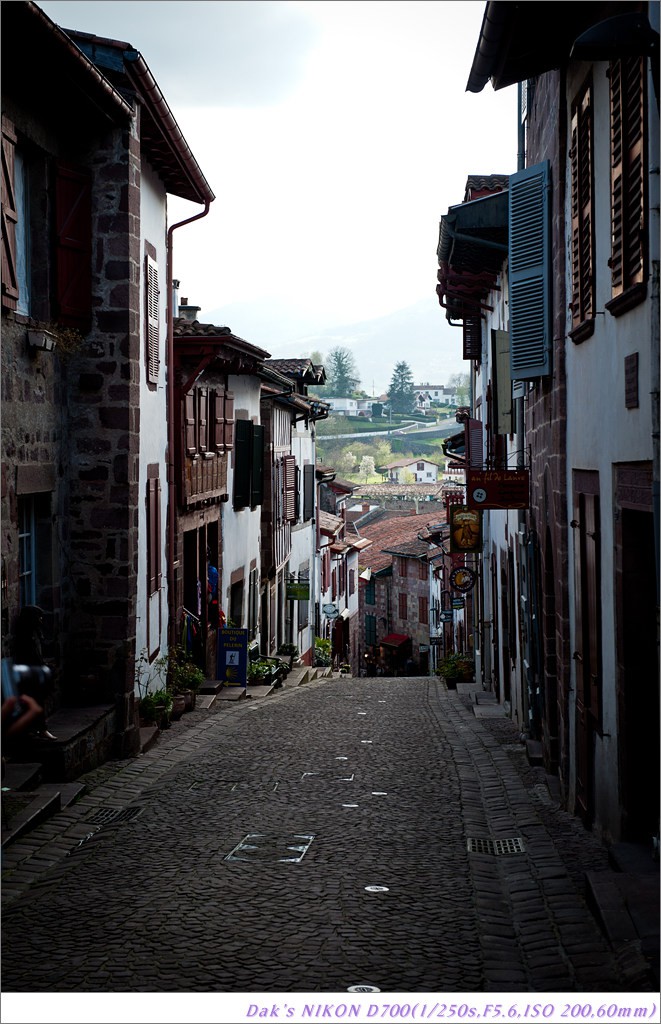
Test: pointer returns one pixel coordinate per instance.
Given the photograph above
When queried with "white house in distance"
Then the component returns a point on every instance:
(350, 406)
(426, 394)
(421, 470)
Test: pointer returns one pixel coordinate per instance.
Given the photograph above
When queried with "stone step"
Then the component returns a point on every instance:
(23, 810)
(21, 776)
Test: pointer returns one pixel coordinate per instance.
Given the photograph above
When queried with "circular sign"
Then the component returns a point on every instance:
(479, 494)
(331, 611)
(462, 579)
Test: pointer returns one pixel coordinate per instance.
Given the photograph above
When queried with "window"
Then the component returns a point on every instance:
(403, 564)
(403, 606)
(248, 464)
(308, 492)
(153, 530)
(420, 465)
(370, 630)
(582, 216)
(628, 222)
(73, 246)
(370, 592)
(253, 598)
(10, 217)
(334, 584)
(587, 599)
(423, 611)
(289, 489)
(352, 581)
(153, 326)
(423, 571)
(26, 552)
(529, 272)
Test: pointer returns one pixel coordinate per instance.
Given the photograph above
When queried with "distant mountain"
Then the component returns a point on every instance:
(418, 335)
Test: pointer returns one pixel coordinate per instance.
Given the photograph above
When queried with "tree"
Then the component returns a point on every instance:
(400, 392)
(366, 468)
(459, 383)
(342, 377)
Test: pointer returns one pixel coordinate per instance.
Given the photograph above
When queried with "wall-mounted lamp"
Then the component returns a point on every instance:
(43, 340)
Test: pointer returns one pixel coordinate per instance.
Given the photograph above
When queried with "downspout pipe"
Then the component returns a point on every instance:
(172, 497)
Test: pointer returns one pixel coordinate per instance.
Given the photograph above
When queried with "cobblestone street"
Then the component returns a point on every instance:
(396, 841)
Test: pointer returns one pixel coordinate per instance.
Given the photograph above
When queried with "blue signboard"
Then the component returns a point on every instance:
(232, 656)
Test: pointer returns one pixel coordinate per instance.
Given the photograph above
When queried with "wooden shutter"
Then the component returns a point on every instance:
(203, 419)
(308, 492)
(154, 533)
(190, 424)
(289, 487)
(242, 455)
(472, 331)
(627, 98)
(582, 225)
(474, 443)
(423, 610)
(529, 273)
(257, 465)
(73, 244)
(502, 382)
(334, 585)
(218, 420)
(9, 217)
(152, 328)
(229, 420)
(403, 606)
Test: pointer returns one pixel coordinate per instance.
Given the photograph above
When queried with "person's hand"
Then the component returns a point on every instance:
(11, 730)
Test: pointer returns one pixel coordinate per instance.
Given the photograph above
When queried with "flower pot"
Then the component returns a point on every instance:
(178, 706)
(189, 699)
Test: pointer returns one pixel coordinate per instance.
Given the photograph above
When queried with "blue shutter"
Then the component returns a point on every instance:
(530, 272)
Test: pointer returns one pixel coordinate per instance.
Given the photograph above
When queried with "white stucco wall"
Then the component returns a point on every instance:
(153, 419)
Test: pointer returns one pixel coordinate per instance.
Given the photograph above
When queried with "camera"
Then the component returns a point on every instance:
(18, 679)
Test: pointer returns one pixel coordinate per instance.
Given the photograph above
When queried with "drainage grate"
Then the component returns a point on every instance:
(261, 846)
(113, 815)
(496, 847)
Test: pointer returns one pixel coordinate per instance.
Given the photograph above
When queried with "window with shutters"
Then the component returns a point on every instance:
(334, 584)
(153, 530)
(11, 177)
(423, 571)
(253, 602)
(208, 421)
(423, 611)
(529, 272)
(248, 464)
(152, 326)
(289, 490)
(403, 606)
(352, 581)
(403, 566)
(628, 191)
(370, 592)
(582, 215)
(370, 630)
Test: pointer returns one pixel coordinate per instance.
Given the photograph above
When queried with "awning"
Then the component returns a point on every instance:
(345, 614)
(394, 639)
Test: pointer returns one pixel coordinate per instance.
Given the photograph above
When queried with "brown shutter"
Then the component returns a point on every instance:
(582, 304)
(202, 419)
(152, 304)
(218, 422)
(9, 217)
(289, 487)
(190, 424)
(627, 94)
(73, 240)
(229, 420)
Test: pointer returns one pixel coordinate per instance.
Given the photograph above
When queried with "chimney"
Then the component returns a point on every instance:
(188, 312)
(366, 508)
(175, 295)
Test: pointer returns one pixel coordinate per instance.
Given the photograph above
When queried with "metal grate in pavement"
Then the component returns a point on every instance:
(113, 815)
(266, 847)
(496, 847)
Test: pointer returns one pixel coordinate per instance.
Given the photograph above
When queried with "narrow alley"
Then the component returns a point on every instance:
(348, 832)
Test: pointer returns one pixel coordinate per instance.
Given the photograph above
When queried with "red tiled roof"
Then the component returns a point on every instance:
(392, 533)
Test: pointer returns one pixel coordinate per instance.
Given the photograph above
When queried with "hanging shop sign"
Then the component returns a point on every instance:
(445, 615)
(435, 641)
(232, 656)
(463, 579)
(457, 602)
(298, 591)
(331, 611)
(465, 530)
(497, 488)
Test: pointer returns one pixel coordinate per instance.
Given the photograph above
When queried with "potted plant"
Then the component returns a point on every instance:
(322, 651)
(457, 667)
(163, 702)
(183, 677)
(289, 651)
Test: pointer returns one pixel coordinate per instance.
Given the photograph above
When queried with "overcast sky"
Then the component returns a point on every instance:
(334, 135)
